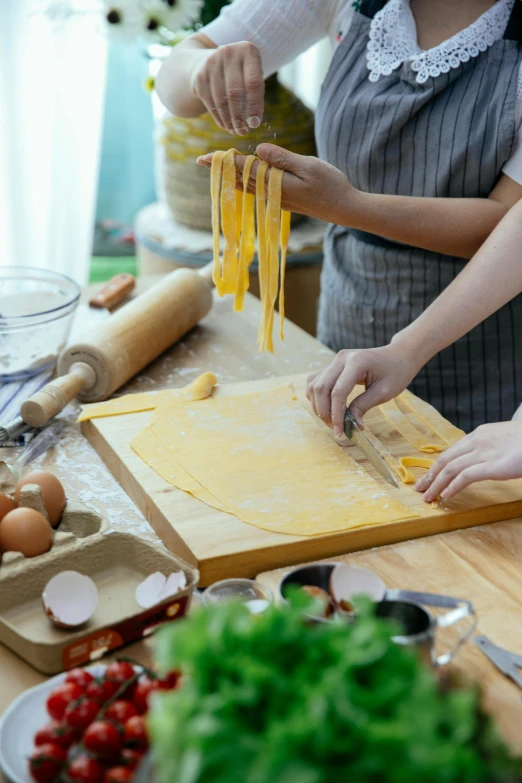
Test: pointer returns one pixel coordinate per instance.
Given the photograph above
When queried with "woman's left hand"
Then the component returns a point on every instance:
(310, 186)
(492, 451)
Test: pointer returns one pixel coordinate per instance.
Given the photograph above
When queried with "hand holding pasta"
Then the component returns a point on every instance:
(310, 186)
(236, 211)
(493, 451)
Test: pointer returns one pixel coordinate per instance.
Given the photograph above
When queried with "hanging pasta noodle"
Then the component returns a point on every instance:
(247, 238)
(285, 236)
(233, 214)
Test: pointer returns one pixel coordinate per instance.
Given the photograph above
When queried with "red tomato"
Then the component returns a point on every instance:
(144, 688)
(80, 677)
(120, 711)
(135, 733)
(120, 672)
(118, 775)
(61, 697)
(131, 758)
(103, 738)
(85, 770)
(101, 691)
(55, 733)
(46, 763)
(81, 714)
(169, 682)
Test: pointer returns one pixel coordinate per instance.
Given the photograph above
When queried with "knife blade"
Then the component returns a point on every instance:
(507, 662)
(353, 433)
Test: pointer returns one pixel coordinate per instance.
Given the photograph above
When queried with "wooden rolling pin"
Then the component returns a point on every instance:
(114, 352)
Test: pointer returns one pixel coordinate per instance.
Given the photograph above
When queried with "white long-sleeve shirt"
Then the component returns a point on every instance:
(283, 29)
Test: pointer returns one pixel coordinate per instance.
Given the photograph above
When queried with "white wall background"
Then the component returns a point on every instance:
(52, 76)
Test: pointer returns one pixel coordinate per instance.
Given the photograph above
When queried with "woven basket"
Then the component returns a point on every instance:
(286, 122)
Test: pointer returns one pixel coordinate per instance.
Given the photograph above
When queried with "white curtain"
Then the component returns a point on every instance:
(52, 81)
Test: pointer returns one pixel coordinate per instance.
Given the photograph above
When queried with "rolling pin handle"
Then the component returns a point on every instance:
(53, 398)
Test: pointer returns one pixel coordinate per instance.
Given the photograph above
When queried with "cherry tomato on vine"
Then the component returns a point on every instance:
(101, 691)
(120, 711)
(80, 676)
(81, 714)
(85, 769)
(130, 757)
(118, 775)
(120, 672)
(46, 763)
(61, 697)
(135, 733)
(56, 734)
(144, 687)
(103, 739)
(171, 681)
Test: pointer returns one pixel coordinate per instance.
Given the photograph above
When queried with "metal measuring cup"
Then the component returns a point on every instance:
(419, 626)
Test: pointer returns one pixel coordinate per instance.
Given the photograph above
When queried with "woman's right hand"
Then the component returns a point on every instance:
(384, 372)
(229, 82)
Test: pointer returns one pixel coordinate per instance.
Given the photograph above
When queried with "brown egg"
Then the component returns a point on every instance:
(27, 531)
(53, 495)
(6, 505)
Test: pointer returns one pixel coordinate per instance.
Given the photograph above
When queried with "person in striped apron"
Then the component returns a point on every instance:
(418, 142)
(492, 451)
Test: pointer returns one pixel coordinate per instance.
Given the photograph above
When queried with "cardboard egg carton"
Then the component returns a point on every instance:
(77, 524)
(116, 562)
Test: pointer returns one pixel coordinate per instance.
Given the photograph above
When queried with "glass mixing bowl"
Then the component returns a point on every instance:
(36, 311)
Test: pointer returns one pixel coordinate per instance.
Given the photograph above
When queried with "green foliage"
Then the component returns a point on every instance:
(211, 9)
(272, 699)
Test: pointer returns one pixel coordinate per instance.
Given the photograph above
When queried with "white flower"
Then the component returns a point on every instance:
(133, 18)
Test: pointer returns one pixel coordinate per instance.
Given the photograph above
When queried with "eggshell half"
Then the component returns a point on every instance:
(147, 592)
(174, 584)
(25, 530)
(70, 599)
(52, 492)
(347, 581)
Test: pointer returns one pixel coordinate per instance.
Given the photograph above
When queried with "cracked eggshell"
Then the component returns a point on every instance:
(52, 492)
(70, 599)
(157, 588)
(147, 592)
(348, 581)
(174, 584)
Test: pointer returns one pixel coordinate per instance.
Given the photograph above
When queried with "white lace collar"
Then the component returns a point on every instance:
(393, 40)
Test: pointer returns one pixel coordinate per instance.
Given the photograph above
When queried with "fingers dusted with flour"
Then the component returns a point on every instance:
(493, 451)
(226, 81)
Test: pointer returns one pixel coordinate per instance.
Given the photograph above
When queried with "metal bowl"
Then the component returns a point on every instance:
(315, 575)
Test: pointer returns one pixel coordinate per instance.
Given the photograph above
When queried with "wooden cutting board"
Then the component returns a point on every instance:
(221, 546)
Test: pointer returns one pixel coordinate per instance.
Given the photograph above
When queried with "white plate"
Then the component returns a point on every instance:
(20, 722)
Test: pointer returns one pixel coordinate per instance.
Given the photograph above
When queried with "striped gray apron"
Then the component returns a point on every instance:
(449, 137)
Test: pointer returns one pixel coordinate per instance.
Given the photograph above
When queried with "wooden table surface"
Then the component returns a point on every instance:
(481, 564)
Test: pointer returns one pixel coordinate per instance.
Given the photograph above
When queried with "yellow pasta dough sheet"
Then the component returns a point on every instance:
(147, 401)
(266, 460)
